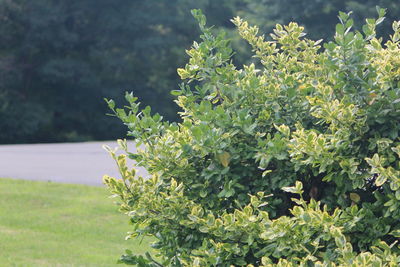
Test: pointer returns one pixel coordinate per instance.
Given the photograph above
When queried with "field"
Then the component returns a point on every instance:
(50, 224)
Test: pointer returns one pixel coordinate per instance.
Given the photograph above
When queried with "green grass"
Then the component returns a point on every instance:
(49, 224)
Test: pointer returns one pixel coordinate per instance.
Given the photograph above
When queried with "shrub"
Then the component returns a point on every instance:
(290, 161)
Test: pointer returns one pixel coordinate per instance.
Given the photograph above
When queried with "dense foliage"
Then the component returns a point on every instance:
(292, 163)
(58, 59)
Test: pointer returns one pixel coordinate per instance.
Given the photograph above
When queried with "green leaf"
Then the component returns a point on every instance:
(203, 229)
(355, 197)
(340, 29)
(203, 193)
(176, 92)
(380, 180)
(224, 158)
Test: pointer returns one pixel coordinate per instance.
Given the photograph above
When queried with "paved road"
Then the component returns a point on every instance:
(77, 163)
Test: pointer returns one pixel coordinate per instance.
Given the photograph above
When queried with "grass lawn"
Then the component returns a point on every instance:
(49, 224)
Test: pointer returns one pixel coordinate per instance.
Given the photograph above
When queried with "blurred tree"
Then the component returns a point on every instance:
(59, 59)
(319, 17)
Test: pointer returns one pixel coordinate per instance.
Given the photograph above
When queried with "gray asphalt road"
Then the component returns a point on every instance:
(77, 163)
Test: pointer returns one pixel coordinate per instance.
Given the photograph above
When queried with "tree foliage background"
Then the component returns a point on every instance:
(59, 59)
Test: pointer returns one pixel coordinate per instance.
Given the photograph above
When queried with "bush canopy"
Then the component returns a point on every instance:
(290, 161)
